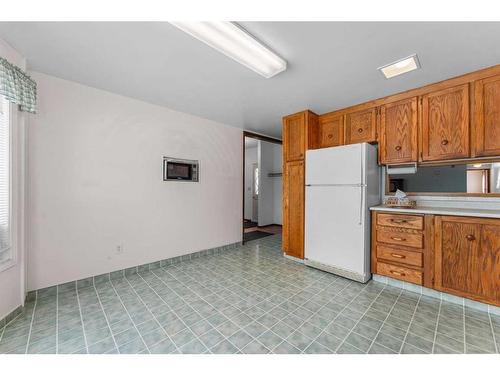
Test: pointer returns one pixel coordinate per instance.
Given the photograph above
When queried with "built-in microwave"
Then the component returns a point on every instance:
(180, 170)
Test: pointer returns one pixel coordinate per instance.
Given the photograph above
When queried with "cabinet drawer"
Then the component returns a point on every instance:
(400, 238)
(399, 272)
(412, 258)
(401, 221)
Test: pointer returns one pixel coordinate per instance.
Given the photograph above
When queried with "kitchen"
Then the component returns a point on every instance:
(445, 246)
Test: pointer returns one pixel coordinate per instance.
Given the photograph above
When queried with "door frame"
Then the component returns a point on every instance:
(259, 137)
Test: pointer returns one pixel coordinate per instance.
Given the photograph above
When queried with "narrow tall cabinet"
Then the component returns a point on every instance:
(300, 133)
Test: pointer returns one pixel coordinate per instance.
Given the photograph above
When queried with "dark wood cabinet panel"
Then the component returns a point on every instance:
(398, 132)
(445, 124)
(487, 117)
(361, 126)
(331, 131)
(467, 260)
(293, 209)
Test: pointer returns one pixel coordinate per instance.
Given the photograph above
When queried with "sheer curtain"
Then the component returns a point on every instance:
(5, 180)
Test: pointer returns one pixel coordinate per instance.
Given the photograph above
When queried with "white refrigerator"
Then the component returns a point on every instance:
(341, 184)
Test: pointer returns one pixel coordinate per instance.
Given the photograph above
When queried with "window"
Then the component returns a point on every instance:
(5, 181)
(256, 180)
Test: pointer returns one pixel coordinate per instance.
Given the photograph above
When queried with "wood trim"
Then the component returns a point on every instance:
(261, 137)
(454, 81)
(373, 250)
(429, 268)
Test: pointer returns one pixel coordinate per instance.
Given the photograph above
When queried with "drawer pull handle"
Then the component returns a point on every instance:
(394, 255)
(398, 148)
(444, 142)
(470, 237)
(360, 130)
(330, 136)
(398, 273)
(399, 221)
(398, 239)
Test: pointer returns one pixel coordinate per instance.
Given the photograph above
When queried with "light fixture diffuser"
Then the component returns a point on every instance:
(234, 42)
(401, 66)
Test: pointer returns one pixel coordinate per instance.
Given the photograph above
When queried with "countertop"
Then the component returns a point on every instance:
(474, 212)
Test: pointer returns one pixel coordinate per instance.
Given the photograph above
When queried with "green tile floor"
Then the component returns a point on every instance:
(248, 300)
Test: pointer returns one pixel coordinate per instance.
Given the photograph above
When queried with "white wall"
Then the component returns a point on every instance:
(13, 279)
(250, 160)
(270, 191)
(277, 185)
(96, 182)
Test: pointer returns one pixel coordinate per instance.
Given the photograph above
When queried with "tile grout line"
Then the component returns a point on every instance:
(493, 333)
(57, 319)
(357, 321)
(126, 310)
(383, 323)
(31, 327)
(154, 316)
(279, 320)
(81, 319)
(305, 321)
(409, 325)
(105, 317)
(229, 318)
(436, 329)
(465, 334)
(178, 317)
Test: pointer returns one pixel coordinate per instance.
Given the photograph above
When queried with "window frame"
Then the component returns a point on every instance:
(11, 259)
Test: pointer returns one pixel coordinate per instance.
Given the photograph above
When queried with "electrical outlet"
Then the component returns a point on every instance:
(119, 249)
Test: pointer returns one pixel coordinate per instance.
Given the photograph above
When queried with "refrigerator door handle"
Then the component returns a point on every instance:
(361, 193)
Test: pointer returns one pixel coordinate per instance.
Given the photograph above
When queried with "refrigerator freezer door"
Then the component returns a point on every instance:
(335, 165)
(335, 229)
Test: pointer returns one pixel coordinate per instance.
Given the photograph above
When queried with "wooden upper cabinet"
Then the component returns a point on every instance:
(331, 130)
(293, 209)
(361, 126)
(487, 117)
(294, 136)
(300, 132)
(467, 260)
(398, 132)
(445, 124)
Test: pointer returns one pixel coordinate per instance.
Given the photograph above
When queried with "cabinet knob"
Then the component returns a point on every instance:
(330, 136)
(470, 237)
(444, 142)
(398, 148)
(360, 130)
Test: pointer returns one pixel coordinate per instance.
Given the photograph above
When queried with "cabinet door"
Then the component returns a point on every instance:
(398, 132)
(468, 257)
(294, 136)
(445, 124)
(487, 117)
(293, 209)
(331, 131)
(361, 126)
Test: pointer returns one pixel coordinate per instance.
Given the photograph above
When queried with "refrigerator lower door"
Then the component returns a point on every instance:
(335, 235)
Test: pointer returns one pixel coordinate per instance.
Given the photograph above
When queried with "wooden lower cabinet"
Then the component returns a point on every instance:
(468, 257)
(293, 208)
(452, 254)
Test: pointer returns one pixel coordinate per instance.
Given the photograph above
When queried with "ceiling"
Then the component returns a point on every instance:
(330, 64)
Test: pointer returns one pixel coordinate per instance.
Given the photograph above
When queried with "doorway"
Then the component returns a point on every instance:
(262, 186)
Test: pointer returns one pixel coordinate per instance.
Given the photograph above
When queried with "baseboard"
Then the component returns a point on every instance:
(11, 316)
(98, 279)
(465, 302)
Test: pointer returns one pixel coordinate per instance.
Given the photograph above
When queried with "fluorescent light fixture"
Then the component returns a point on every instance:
(234, 42)
(401, 66)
